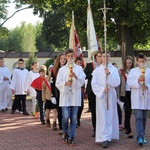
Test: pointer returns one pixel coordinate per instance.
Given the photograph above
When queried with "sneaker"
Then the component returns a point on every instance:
(36, 115)
(105, 144)
(140, 141)
(25, 113)
(3, 110)
(65, 138)
(71, 142)
(32, 113)
(144, 141)
(43, 122)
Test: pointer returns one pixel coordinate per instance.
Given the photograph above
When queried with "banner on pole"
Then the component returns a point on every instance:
(93, 43)
(74, 42)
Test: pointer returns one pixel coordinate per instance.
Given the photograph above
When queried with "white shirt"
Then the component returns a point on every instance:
(30, 77)
(19, 80)
(136, 89)
(62, 77)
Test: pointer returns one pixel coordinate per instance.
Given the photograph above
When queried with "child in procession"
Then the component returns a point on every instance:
(37, 85)
(139, 82)
(69, 82)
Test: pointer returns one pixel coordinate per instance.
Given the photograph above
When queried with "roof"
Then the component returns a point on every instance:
(53, 54)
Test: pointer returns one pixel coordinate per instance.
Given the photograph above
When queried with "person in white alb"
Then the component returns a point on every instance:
(106, 118)
(18, 86)
(70, 79)
(32, 75)
(5, 92)
(139, 82)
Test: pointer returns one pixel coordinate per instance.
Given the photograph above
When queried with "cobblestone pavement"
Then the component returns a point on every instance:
(20, 132)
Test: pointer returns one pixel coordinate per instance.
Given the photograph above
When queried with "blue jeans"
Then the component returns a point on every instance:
(69, 112)
(140, 122)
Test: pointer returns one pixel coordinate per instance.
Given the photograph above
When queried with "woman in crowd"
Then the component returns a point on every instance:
(59, 62)
(125, 93)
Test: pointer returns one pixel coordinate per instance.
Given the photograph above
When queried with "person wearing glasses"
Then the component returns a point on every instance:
(18, 86)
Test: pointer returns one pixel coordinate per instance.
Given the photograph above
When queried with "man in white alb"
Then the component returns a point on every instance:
(106, 118)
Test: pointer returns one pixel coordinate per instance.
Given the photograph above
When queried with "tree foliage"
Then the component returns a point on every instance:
(130, 26)
(32, 58)
(54, 27)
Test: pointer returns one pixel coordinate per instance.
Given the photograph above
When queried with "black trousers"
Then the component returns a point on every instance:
(119, 114)
(92, 107)
(128, 111)
(17, 102)
(59, 117)
(40, 103)
(80, 108)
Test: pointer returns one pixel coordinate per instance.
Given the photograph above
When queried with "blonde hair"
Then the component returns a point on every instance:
(42, 68)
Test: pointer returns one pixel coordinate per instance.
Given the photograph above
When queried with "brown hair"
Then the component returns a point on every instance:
(107, 52)
(98, 52)
(124, 63)
(69, 50)
(140, 55)
(57, 64)
(35, 62)
(78, 58)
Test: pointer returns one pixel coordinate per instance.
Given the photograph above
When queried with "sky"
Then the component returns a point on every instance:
(24, 15)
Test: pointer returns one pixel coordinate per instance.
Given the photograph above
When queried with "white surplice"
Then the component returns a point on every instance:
(62, 76)
(5, 92)
(136, 89)
(30, 77)
(19, 80)
(107, 126)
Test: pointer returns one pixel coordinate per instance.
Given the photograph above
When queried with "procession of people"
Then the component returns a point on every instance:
(62, 90)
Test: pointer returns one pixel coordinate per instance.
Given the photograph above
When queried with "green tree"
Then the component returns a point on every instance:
(41, 44)
(31, 59)
(54, 27)
(22, 38)
(28, 34)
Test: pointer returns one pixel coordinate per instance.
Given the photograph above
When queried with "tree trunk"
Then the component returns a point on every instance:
(126, 41)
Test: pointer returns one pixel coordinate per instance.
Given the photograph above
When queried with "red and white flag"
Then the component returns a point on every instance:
(93, 43)
(74, 42)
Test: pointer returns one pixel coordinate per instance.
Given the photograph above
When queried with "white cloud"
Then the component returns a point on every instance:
(24, 15)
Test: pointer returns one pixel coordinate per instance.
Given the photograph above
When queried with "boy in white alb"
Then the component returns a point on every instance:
(5, 92)
(70, 79)
(32, 75)
(139, 82)
(18, 86)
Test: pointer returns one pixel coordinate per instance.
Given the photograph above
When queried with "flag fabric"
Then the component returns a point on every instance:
(74, 42)
(93, 43)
